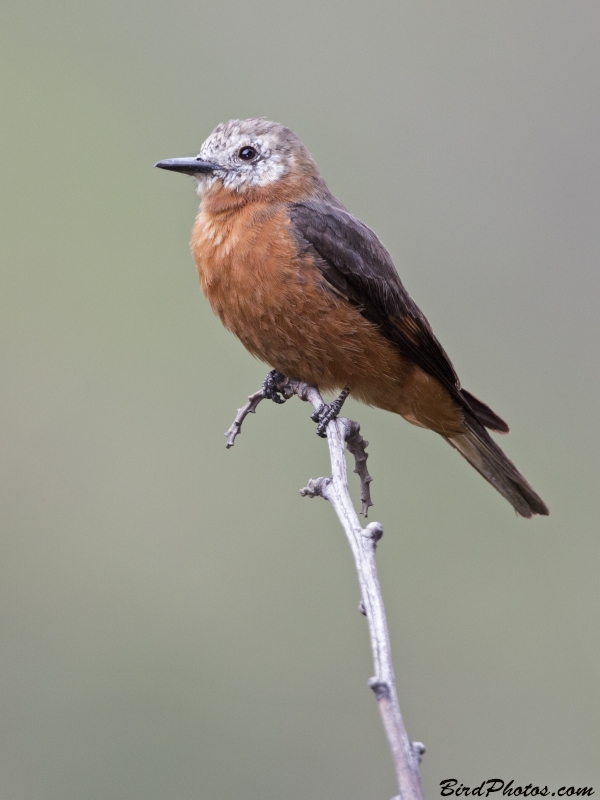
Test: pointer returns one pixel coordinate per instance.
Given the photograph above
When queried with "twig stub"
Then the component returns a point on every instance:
(315, 487)
(380, 688)
(420, 750)
(358, 447)
(373, 531)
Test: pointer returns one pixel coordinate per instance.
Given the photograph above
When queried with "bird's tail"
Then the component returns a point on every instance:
(480, 450)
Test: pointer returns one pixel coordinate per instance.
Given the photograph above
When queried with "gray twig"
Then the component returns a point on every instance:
(358, 447)
(242, 413)
(287, 388)
(343, 432)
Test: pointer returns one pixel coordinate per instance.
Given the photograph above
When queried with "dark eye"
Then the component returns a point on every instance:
(247, 153)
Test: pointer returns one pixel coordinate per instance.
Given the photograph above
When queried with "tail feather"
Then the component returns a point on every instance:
(484, 413)
(479, 449)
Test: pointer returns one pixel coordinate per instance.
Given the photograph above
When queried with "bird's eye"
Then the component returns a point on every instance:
(247, 153)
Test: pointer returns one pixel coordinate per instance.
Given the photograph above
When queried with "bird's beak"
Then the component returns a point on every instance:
(189, 166)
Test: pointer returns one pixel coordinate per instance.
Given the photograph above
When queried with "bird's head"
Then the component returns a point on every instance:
(242, 155)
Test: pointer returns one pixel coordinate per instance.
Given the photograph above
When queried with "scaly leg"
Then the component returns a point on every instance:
(329, 411)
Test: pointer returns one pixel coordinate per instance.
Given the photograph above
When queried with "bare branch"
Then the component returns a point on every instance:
(343, 432)
(363, 544)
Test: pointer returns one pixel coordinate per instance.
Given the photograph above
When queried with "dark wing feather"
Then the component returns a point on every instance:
(357, 266)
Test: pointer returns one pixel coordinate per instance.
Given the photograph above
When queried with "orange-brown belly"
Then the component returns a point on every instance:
(276, 303)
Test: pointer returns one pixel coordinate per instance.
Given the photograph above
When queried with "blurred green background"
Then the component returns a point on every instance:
(176, 621)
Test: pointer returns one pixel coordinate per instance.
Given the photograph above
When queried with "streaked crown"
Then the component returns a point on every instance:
(251, 152)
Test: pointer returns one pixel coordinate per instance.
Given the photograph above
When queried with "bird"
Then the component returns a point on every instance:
(311, 291)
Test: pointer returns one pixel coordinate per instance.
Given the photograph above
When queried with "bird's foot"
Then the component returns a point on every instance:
(328, 411)
(270, 386)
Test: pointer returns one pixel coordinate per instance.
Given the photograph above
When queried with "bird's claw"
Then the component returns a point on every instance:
(328, 411)
(270, 386)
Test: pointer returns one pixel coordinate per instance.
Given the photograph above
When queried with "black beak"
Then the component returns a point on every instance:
(189, 166)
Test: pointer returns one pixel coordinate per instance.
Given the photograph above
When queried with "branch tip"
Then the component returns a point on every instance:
(362, 608)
